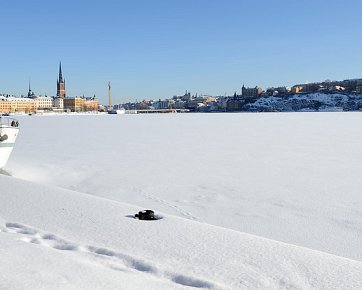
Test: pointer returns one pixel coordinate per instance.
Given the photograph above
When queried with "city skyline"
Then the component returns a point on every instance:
(159, 49)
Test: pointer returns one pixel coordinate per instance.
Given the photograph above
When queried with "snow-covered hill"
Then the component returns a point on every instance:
(332, 102)
(235, 192)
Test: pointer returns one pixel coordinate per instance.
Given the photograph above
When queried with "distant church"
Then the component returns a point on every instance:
(61, 84)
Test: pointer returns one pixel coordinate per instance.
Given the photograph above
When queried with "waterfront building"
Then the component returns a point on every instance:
(58, 103)
(200, 101)
(81, 104)
(43, 102)
(91, 104)
(17, 105)
(163, 104)
(74, 104)
(179, 104)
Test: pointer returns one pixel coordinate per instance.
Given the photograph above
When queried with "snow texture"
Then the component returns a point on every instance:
(248, 201)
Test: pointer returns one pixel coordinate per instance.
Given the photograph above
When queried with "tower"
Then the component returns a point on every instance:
(109, 97)
(243, 89)
(60, 83)
(30, 92)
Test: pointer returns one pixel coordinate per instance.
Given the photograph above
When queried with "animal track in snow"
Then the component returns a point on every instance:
(176, 207)
(128, 261)
(109, 258)
(19, 229)
(33, 236)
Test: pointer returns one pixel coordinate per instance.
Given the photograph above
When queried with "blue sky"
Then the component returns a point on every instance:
(157, 49)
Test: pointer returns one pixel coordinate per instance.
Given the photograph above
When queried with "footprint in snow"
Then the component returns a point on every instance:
(109, 258)
(19, 229)
(35, 237)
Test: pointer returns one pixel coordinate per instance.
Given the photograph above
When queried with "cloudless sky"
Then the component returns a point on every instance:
(160, 48)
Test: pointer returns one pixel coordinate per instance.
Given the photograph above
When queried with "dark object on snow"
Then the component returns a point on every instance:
(3, 137)
(145, 215)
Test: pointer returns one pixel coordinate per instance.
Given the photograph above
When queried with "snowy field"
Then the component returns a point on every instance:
(249, 201)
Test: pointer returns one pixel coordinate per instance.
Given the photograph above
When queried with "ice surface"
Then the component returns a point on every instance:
(291, 177)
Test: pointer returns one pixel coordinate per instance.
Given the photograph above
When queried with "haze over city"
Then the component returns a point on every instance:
(157, 49)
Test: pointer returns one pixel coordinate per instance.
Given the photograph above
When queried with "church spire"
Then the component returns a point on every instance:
(29, 91)
(61, 83)
(60, 72)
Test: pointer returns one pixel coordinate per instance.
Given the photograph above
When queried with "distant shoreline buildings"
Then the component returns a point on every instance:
(343, 95)
(60, 103)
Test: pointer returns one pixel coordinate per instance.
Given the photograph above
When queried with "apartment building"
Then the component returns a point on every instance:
(9, 104)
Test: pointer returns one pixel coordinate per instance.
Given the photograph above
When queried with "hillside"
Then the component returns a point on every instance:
(330, 102)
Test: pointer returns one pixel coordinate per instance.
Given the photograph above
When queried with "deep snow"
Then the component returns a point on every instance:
(57, 239)
(289, 177)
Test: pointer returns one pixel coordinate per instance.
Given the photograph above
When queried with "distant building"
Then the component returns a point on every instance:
(163, 104)
(297, 89)
(251, 92)
(58, 103)
(61, 84)
(186, 97)
(234, 103)
(91, 104)
(81, 104)
(351, 85)
(43, 103)
(75, 104)
(17, 105)
(282, 91)
(179, 104)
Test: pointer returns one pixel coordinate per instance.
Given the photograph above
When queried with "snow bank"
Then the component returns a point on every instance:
(53, 238)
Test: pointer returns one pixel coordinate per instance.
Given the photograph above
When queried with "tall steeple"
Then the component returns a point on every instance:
(60, 79)
(60, 83)
(30, 93)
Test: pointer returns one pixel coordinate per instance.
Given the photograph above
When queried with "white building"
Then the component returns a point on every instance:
(43, 103)
(163, 104)
(58, 103)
